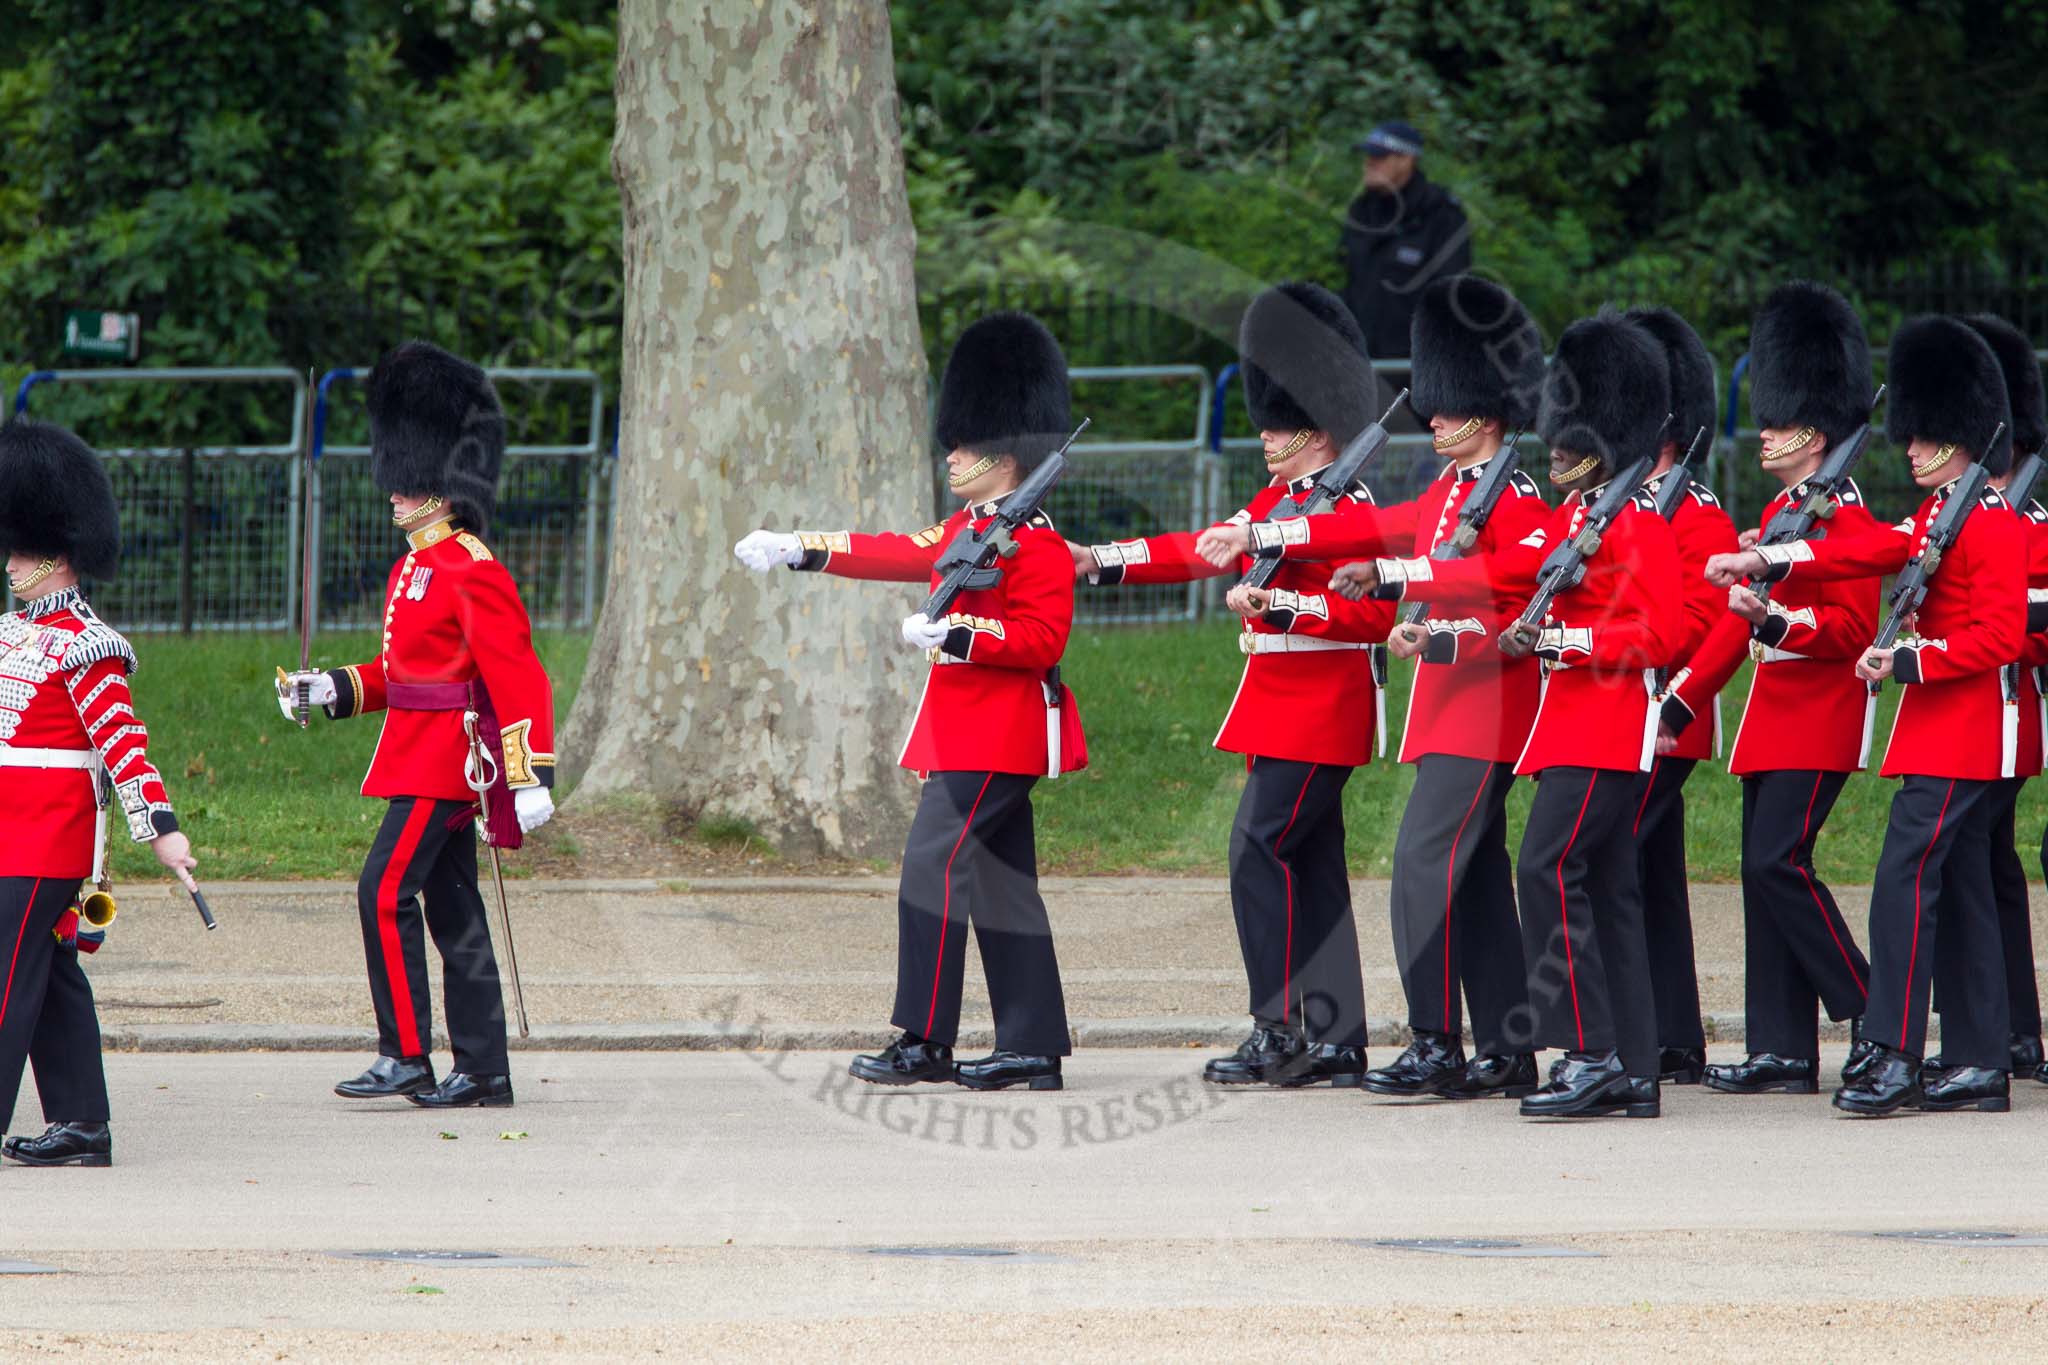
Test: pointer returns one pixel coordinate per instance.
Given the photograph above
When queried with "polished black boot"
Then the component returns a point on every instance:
(906, 1061)
(1681, 1065)
(1888, 1082)
(64, 1144)
(1430, 1065)
(1263, 1058)
(1592, 1085)
(1001, 1070)
(2026, 1055)
(388, 1078)
(1327, 1064)
(1861, 1053)
(1965, 1087)
(1762, 1072)
(1503, 1075)
(460, 1090)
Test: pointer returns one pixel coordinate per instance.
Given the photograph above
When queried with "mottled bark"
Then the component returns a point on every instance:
(773, 377)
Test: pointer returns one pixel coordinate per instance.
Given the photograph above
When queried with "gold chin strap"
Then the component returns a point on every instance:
(1461, 435)
(1576, 472)
(418, 514)
(1943, 453)
(35, 576)
(1786, 448)
(972, 472)
(1291, 449)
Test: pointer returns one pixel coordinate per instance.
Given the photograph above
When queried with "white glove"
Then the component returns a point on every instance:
(923, 632)
(534, 807)
(319, 692)
(763, 550)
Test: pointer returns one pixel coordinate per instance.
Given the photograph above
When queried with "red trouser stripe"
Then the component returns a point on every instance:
(1805, 832)
(1571, 975)
(1648, 787)
(388, 887)
(946, 905)
(1450, 884)
(15, 960)
(1287, 873)
(1913, 957)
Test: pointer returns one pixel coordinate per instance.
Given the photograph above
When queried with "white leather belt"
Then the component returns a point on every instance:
(1249, 643)
(11, 757)
(1771, 654)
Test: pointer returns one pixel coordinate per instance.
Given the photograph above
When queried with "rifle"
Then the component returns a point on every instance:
(1335, 479)
(969, 562)
(1565, 567)
(1796, 521)
(1678, 482)
(1474, 514)
(1909, 589)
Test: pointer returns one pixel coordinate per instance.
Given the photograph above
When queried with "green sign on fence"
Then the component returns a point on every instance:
(103, 336)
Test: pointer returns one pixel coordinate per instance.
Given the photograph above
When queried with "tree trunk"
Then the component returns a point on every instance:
(773, 376)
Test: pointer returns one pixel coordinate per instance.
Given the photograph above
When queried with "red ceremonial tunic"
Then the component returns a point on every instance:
(2024, 679)
(1307, 694)
(1806, 708)
(1953, 718)
(1469, 700)
(1603, 643)
(985, 706)
(452, 614)
(64, 687)
(1701, 529)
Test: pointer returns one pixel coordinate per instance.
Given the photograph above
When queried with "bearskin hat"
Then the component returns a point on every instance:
(1305, 364)
(2023, 391)
(1477, 353)
(1004, 391)
(436, 428)
(1943, 384)
(1692, 372)
(1809, 362)
(56, 499)
(1607, 391)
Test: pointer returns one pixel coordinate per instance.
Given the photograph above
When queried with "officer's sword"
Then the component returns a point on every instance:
(481, 773)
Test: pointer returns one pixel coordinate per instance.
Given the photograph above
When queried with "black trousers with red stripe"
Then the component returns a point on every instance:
(1453, 901)
(972, 861)
(2015, 926)
(426, 851)
(1934, 882)
(1582, 919)
(46, 1009)
(1290, 893)
(1667, 909)
(1798, 953)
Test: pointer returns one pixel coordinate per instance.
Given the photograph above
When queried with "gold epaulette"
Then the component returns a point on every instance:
(477, 549)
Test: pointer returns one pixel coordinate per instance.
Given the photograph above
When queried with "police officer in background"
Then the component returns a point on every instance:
(1401, 232)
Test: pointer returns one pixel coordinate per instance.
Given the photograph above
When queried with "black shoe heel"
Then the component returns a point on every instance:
(1046, 1083)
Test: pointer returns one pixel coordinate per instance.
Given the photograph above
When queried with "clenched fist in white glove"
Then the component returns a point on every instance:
(319, 692)
(923, 632)
(534, 807)
(764, 550)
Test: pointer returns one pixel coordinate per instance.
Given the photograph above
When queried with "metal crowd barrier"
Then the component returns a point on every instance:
(549, 527)
(1123, 487)
(210, 532)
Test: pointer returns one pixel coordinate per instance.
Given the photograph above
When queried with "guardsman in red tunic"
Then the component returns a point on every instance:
(1952, 740)
(1304, 715)
(1805, 724)
(1605, 399)
(1702, 529)
(70, 745)
(1478, 371)
(2023, 698)
(457, 644)
(994, 718)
